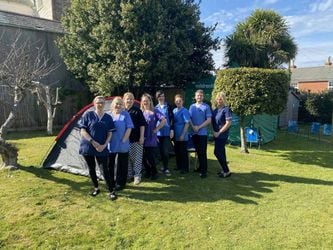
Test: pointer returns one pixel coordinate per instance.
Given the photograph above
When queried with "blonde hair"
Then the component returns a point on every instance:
(128, 94)
(151, 105)
(222, 96)
(114, 102)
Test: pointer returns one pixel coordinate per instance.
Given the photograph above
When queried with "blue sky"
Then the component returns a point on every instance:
(310, 22)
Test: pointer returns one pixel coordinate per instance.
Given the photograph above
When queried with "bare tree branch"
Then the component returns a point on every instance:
(24, 64)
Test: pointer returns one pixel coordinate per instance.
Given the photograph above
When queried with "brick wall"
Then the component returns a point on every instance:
(314, 87)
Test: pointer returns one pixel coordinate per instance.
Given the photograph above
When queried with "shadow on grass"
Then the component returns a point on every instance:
(49, 174)
(302, 150)
(243, 188)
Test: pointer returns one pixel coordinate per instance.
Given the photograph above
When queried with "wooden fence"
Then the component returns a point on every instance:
(33, 116)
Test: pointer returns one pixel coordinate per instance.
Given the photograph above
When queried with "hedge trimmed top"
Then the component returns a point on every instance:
(251, 91)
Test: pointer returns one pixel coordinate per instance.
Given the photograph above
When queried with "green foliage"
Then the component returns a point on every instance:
(319, 106)
(112, 44)
(262, 41)
(253, 91)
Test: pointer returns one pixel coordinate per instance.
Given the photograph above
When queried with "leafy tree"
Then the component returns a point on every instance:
(262, 41)
(122, 44)
(252, 91)
(320, 105)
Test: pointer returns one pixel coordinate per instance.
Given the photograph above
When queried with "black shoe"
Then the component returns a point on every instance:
(95, 192)
(176, 169)
(113, 196)
(203, 176)
(153, 177)
(197, 170)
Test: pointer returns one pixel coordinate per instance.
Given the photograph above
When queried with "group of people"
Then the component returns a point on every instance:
(123, 140)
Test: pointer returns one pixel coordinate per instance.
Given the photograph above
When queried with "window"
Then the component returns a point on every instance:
(330, 85)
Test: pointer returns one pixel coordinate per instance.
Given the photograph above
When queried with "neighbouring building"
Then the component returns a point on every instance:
(313, 79)
(47, 9)
(291, 110)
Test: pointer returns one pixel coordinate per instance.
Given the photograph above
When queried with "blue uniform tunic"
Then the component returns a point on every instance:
(181, 117)
(122, 123)
(220, 116)
(198, 115)
(165, 130)
(151, 119)
(98, 129)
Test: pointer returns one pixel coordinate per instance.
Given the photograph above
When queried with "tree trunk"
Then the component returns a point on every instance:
(49, 120)
(18, 96)
(9, 155)
(48, 106)
(242, 135)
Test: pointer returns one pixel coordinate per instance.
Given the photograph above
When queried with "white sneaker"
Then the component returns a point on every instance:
(167, 172)
(137, 180)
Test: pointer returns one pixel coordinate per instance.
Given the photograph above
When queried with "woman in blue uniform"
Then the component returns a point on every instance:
(119, 144)
(181, 125)
(96, 131)
(221, 122)
(165, 133)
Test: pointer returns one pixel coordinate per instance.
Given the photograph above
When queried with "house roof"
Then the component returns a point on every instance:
(29, 22)
(321, 73)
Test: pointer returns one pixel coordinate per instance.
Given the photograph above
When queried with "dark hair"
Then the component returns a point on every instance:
(158, 93)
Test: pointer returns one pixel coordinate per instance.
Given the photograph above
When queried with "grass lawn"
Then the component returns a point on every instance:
(279, 197)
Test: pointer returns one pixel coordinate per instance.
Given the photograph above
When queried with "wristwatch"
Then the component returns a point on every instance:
(91, 140)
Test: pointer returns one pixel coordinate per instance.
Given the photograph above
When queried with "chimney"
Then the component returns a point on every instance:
(328, 61)
(292, 64)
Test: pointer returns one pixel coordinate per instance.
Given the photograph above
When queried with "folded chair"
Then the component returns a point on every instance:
(327, 129)
(293, 126)
(315, 129)
(253, 136)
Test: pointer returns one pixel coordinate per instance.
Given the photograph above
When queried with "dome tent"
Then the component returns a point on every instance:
(64, 154)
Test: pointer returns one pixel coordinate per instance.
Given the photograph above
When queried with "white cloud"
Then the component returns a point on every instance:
(218, 57)
(310, 24)
(226, 20)
(314, 54)
(321, 5)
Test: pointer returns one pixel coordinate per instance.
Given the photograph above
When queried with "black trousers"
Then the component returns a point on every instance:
(181, 155)
(219, 152)
(122, 167)
(149, 161)
(200, 145)
(164, 146)
(102, 162)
